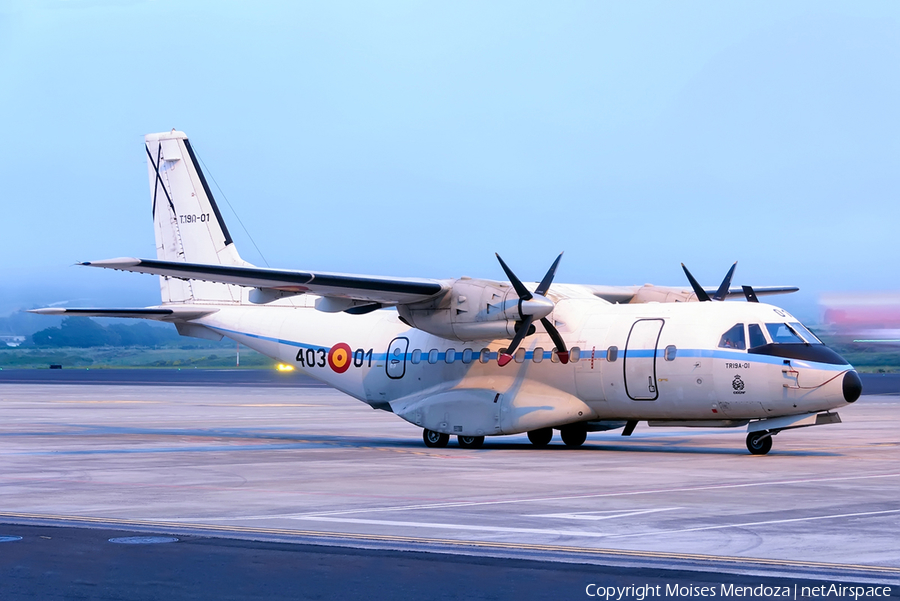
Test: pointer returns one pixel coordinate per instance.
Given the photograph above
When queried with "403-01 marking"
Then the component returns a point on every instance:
(339, 357)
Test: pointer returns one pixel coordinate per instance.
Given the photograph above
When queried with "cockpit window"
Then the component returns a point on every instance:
(733, 338)
(756, 335)
(782, 333)
(803, 331)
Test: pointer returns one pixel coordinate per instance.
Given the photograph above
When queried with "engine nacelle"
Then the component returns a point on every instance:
(471, 310)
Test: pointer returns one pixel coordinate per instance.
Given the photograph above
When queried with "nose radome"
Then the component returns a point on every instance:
(852, 386)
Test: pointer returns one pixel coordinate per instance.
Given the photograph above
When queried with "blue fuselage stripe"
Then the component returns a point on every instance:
(737, 356)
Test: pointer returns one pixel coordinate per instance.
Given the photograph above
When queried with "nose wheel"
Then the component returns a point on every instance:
(759, 443)
(435, 440)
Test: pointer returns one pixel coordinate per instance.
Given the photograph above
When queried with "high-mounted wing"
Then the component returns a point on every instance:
(372, 289)
(671, 294)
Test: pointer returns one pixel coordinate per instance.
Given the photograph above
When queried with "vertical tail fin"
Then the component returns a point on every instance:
(186, 220)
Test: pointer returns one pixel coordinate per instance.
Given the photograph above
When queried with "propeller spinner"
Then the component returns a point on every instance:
(533, 306)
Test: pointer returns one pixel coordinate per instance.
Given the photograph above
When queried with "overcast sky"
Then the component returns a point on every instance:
(418, 138)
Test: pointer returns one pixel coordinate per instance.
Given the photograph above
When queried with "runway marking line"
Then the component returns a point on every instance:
(577, 533)
(763, 523)
(110, 402)
(592, 515)
(275, 405)
(454, 504)
(451, 542)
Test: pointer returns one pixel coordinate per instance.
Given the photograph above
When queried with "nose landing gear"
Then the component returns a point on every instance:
(759, 443)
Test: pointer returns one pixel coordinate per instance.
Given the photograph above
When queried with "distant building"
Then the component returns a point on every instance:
(12, 340)
(863, 315)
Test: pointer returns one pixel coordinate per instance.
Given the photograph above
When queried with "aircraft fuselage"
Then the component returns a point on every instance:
(654, 362)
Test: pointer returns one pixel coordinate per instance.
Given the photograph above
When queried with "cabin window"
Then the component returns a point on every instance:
(574, 354)
(782, 333)
(538, 355)
(612, 353)
(485, 355)
(804, 331)
(416, 357)
(670, 352)
(520, 355)
(433, 356)
(554, 358)
(734, 338)
(467, 356)
(756, 335)
(450, 355)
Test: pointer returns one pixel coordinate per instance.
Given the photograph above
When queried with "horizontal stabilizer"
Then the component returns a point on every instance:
(388, 291)
(182, 313)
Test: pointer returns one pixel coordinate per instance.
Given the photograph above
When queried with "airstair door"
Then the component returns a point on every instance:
(639, 362)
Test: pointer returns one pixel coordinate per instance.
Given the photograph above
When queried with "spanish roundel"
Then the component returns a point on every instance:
(339, 357)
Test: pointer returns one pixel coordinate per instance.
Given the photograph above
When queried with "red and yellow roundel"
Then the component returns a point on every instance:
(339, 357)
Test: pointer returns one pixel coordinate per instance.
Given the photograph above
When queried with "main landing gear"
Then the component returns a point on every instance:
(438, 440)
(435, 440)
(470, 442)
(759, 443)
(542, 437)
(573, 436)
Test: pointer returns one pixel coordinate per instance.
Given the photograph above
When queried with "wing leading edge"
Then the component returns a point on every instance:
(671, 294)
(374, 289)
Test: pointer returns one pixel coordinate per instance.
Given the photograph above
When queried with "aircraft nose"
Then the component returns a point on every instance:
(852, 386)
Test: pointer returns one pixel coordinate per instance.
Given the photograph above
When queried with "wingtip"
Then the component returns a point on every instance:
(503, 359)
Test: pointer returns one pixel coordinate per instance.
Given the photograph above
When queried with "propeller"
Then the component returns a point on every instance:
(720, 294)
(533, 306)
(750, 294)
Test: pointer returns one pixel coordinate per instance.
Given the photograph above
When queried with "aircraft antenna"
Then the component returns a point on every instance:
(213, 178)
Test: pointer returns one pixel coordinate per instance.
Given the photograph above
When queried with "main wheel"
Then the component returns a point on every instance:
(542, 437)
(759, 443)
(470, 442)
(573, 436)
(435, 440)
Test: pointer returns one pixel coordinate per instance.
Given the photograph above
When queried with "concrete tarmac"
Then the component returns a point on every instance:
(312, 466)
(51, 563)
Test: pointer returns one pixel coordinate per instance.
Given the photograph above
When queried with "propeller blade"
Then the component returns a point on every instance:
(506, 357)
(548, 279)
(520, 288)
(722, 292)
(561, 350)
(750, 294)
(698, 290)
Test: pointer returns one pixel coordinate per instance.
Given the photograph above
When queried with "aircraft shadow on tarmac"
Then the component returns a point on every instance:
(656, 447)
(217, 440)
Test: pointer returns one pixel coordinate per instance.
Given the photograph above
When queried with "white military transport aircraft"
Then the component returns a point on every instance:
(475, 358)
